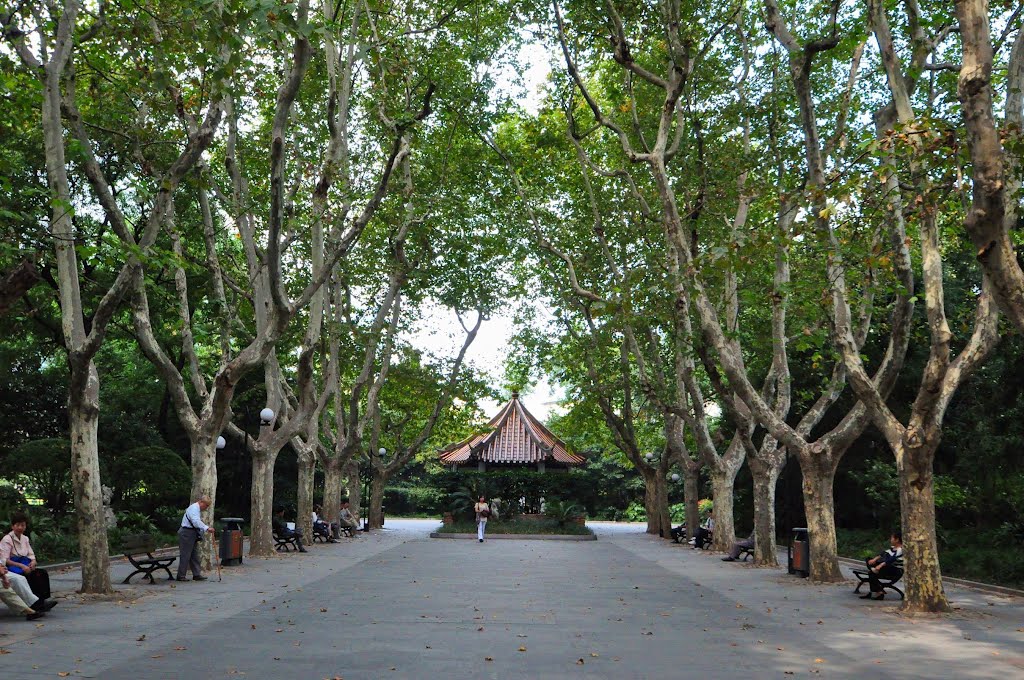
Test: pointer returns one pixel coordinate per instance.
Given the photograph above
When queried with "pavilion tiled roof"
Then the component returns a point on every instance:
(513, 437)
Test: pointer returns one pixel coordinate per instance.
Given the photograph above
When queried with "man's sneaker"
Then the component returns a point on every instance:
(198, 578)
(33, 615)
(181, 578)
(303, 550)
(49, 604)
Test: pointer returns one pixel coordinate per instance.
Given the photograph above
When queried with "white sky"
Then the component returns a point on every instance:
(440, 334)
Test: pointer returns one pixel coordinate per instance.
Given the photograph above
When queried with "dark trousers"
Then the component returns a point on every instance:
(887, 572)
(297, 534)
(739, 546)
(702, 536)
(188, 551)
(39, 582)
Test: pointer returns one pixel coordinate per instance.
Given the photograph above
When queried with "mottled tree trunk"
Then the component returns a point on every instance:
(376, 504)
(722, 480)
(819, 471)
(923, 576)
(691, 493)
(766, 475)
(307, 470)
(355, 488)
(332, 489)
(204, 483)
(664, 524)
(83, 413)
(261, 544)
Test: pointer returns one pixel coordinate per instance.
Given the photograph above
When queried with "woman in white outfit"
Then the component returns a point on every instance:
(483, 511)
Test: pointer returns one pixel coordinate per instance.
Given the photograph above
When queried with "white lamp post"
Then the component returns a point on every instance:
(675, 476)
(649, 456)
(221, 443)
(266, 416)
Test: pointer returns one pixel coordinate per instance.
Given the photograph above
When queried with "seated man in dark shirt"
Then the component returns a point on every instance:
(887, 565)
(282, 530)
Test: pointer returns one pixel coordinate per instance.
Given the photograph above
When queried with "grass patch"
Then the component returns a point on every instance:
(517, 526)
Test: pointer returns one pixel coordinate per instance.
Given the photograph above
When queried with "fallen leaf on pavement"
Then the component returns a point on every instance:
(579, 662)
(488, 658)
(819, 661)
(141, 638)
(594, 654)
(522, 649)
(180, 649)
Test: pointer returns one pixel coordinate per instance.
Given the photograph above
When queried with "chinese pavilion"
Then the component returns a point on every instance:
(513, 438)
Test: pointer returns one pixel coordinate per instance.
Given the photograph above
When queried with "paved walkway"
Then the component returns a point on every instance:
(396, 604)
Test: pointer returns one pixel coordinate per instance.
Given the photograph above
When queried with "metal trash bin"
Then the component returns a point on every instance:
(231, 539)
(799, 553)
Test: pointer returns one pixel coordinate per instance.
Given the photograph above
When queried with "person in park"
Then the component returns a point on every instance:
(190, 537)
(16, 554)
(738, 547)
(14, 592)
(14, 601)
(322, 528)
(887, 565)
(282, 530)
(703, 533)
(346, 518)
(483, 511)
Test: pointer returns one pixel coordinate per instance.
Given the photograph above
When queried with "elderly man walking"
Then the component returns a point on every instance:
(190, 536)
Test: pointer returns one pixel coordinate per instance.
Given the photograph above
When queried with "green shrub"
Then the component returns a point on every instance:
(44, 465)
(135, 523)
(635, 512)
(147, 477)
(561, 512)
(11, 501)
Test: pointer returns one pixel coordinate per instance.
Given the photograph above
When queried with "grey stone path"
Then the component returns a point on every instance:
(396, 604)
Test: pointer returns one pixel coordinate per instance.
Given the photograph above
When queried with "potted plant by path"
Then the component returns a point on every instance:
(562, 512)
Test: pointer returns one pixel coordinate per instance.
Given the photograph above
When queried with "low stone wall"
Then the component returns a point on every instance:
(579, 519)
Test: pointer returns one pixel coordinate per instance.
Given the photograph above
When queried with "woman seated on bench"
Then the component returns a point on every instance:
(16, 554)
(887, 565)
(321, 528)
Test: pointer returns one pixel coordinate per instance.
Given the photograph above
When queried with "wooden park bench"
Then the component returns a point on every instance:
(322, 536)
(286, 542)
(745, 553)
(890, 583)
(144, 544)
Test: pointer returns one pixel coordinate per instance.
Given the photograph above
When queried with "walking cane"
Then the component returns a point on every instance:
(213, 546)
